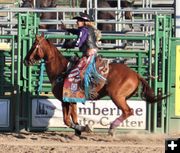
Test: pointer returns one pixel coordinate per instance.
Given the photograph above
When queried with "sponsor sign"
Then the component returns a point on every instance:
(177, 89)
(99, 114)
(4, 112)
(47, 113)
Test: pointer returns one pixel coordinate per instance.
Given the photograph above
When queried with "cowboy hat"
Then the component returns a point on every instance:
(84, 17)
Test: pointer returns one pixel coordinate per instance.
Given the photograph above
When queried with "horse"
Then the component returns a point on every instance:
(38, 3)
(122, 82)
(105, 27)
(44, 15)
(109, 14)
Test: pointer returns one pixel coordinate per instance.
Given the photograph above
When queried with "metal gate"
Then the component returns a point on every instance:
(173, 107)
(7, 82)
(146, 62)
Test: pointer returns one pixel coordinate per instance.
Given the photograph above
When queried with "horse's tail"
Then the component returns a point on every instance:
(148, 93)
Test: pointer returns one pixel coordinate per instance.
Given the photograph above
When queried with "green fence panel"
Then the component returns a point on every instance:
(29, 78)
(27, 29)
(163, 33)
(148, 63)
(173, 120)
(7, 82)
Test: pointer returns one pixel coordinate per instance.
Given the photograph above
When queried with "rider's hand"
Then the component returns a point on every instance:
(63, 26)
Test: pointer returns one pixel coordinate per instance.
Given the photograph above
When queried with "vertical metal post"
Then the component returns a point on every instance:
(17, 113)
(27, 28)
(177, 18)
(162, 35)
(95, 12)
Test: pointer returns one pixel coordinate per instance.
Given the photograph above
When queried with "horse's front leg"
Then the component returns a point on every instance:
(74, 124)
(78, 128)
(70, 111)
(66, 113)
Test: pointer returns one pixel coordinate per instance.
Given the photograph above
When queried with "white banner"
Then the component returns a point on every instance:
(99, 114)
(47, 113)
(4, 112)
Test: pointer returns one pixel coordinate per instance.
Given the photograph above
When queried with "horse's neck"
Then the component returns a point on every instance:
(55, 65)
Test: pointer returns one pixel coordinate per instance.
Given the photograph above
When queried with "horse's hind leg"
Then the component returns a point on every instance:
(126, 112)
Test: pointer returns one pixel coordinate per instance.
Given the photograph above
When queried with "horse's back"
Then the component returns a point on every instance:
(122, 79)
(122, 70)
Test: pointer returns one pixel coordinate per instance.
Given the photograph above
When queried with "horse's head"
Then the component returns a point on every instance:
(39, 3)
(27, 3)
(36, 53)
(48, 3)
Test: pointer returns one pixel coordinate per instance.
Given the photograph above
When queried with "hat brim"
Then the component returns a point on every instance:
(80, 18)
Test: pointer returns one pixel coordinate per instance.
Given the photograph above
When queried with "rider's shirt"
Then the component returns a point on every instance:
(86, 41)
(86, 38)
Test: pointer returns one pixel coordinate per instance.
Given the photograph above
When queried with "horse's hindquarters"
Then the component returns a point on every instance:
(121, 80)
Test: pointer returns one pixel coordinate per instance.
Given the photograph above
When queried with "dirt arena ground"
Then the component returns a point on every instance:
(66, 142)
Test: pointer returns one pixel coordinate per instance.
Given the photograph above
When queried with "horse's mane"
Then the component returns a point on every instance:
(50, 43)
(54, 47)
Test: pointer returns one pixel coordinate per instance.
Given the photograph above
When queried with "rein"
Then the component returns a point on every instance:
(38, 46)
(60, 77)
(41, 76)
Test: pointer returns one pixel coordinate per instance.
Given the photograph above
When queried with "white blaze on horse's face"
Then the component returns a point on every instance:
(35, 54)
(38, 53)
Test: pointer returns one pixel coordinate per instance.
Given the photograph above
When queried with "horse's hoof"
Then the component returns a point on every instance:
(88, 128)
(111, 132)
(77, 133)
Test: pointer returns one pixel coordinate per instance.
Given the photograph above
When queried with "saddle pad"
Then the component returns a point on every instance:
(93, 78)
(71, 89)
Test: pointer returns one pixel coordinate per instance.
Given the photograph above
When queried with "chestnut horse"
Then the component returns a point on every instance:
(109, 27)
(44, 15)
(122, 83)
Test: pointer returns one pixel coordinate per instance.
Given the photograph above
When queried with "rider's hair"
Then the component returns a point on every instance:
(97, 32)
(89, 23)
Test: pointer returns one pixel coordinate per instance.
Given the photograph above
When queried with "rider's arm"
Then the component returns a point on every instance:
(82, 37)
(70, 30)
(73, 31)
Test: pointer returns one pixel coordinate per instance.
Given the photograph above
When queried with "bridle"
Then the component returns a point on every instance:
(38, 46)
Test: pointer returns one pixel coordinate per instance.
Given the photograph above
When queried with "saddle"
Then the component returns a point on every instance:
(82, 84)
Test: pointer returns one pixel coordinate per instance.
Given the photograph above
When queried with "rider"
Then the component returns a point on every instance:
(86, 41)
